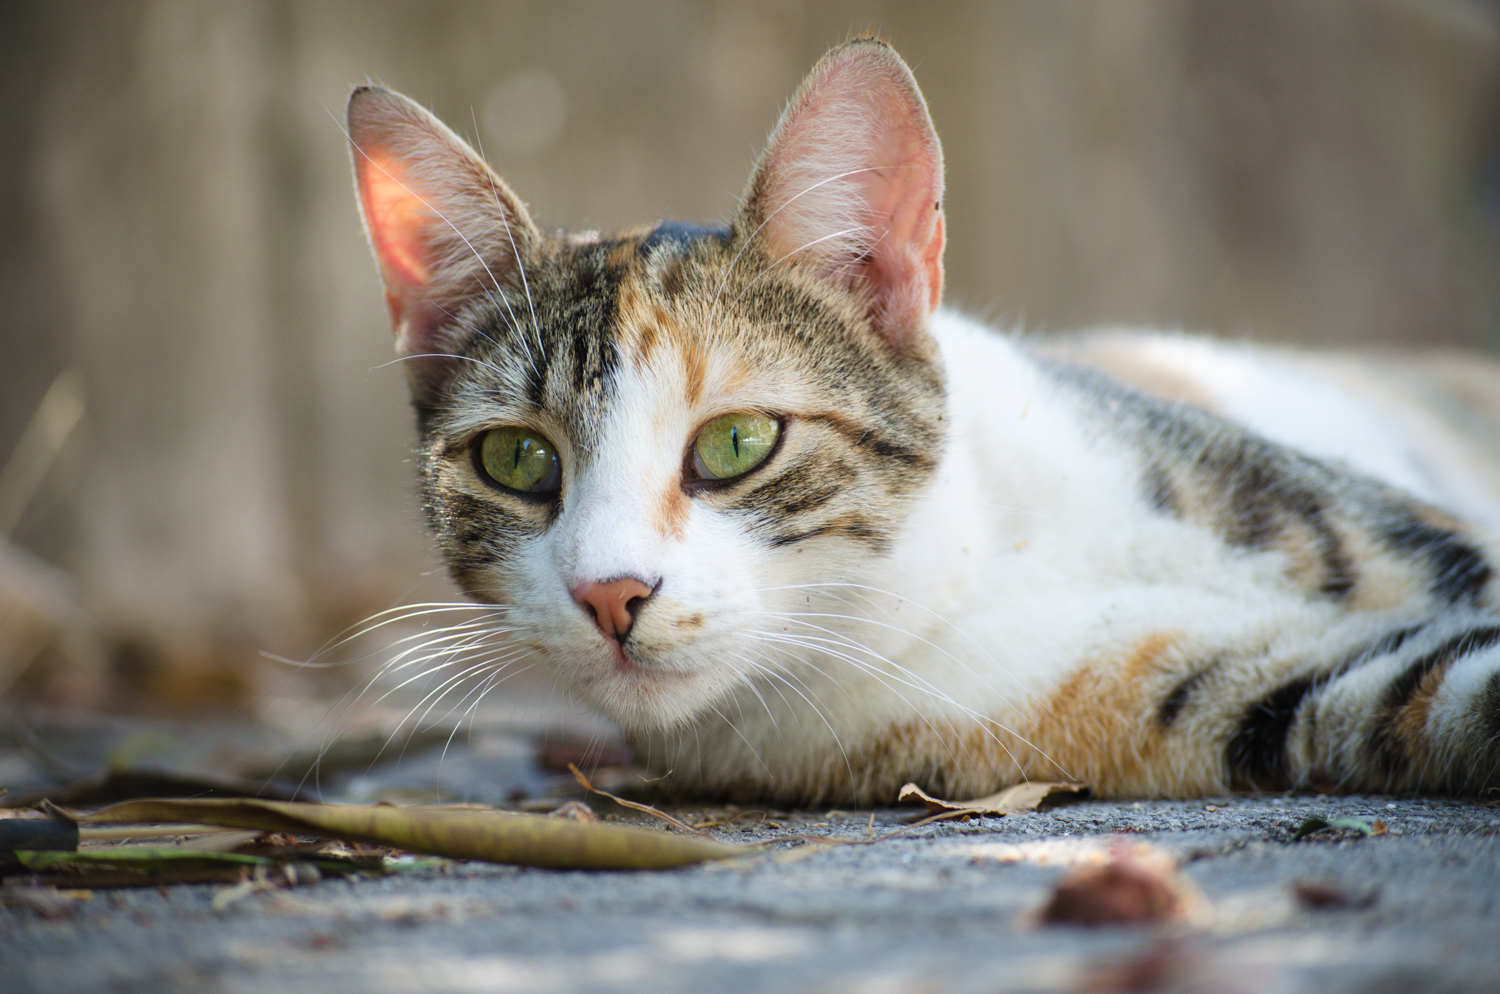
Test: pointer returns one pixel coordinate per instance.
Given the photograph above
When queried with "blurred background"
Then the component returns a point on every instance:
(203, 457)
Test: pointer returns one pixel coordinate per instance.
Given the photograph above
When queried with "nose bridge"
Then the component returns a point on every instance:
(625, 504)
(610, 534)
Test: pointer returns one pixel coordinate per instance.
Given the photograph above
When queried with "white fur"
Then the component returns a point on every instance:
(1032, 552)
(1024, 556)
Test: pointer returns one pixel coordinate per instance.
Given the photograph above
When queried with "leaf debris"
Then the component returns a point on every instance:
(1036, 796)
(457, 833)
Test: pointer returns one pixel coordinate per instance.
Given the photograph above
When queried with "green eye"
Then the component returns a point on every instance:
(734, 444)
(519, 459)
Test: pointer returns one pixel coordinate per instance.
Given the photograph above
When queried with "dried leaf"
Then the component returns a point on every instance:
(1315, 823)
(1313, 894)
(645, 809)
(136, 833)
(143, 859)
(150, 865)
(458, 833)
(1123, 892)
(145, 865)
(1035, 796)
(122, 784)
(156, 857)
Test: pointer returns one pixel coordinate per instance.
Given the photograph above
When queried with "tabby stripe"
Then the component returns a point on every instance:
(1384, 646)
(1387, 645)
(1256, 750)
(1172, 705)
(1266, 503)
(1385, 742)
(801, 488)
(853, 526)
(586, 324)
(1339, 575)
(1257, 490)
(1401, 689)
(1161, 493)
(865, 438)
(1459, 571)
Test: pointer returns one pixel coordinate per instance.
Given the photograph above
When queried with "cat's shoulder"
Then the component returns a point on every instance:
(1427, 421)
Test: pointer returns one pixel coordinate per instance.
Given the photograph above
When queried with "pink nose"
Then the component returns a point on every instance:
(613, 604)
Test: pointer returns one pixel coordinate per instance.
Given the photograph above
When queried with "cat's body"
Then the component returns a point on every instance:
(807, 536)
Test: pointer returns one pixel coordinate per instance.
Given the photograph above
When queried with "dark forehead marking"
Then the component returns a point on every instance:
(557, 340)
(681, 235)
(584, 319)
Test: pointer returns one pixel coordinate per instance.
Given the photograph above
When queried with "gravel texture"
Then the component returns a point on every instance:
(944, 907)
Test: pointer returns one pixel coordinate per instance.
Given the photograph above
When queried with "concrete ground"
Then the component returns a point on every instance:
(949, 907)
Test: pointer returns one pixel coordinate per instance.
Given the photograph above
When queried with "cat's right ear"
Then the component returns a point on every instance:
(851, 186)
(443, 226)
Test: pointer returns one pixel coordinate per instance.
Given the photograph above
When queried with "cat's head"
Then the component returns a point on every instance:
(662, 453)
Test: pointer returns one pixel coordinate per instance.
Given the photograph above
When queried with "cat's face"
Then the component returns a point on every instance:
(722, 449)
(654, 452)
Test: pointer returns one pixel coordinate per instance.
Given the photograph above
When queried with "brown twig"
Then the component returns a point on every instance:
(635, 805)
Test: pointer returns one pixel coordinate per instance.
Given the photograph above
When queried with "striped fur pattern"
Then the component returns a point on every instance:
(1161, 565)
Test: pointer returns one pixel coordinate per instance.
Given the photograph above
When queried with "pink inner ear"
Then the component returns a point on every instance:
(443, 226)
(904, 201)
(398, 219)
(853, 181)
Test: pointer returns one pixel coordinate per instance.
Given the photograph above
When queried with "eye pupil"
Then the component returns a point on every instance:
(733, 444)
(517, 459)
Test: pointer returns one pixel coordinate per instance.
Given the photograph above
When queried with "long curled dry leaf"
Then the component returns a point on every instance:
(457, 833)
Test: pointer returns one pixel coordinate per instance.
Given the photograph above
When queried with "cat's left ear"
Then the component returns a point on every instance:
(444, 227)
(852, 182)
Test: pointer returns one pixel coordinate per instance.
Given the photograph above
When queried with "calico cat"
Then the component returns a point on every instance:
(808, 536)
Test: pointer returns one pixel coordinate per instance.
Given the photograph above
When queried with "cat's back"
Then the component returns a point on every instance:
(1427, 422)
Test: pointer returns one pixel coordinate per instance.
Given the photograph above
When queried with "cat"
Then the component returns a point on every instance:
(806, 536)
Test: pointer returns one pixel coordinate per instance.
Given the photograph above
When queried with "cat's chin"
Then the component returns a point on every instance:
(648, 698)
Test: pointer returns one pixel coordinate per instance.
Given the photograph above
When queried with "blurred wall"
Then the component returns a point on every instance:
(179, 230)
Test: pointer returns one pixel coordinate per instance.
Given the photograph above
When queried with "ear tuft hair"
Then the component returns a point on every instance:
(442, 225)
(852, 182)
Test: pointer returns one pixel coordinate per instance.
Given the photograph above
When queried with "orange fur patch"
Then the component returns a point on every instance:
(673, 511)
(1098, 727)
(1409, 724)
(1098, 724)
(647, 328)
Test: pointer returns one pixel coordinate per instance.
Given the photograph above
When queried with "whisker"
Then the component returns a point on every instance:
(436, 213)
(835, 644)
(736, 729)
(796, 251)
(771, 672)
(839, 586)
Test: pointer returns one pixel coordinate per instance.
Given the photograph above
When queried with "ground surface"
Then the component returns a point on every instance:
(947, 907)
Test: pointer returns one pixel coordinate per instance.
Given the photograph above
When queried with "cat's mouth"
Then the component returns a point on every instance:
(643, 694)
(629, 667)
